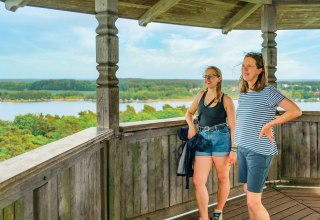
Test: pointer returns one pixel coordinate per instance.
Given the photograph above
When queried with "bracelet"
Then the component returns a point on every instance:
(234, 150)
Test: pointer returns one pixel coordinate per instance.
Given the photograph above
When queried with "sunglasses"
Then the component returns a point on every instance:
(209, 76)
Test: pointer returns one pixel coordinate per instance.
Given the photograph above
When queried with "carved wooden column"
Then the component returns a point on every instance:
(107, 44)
(269, 49)
(107, 58)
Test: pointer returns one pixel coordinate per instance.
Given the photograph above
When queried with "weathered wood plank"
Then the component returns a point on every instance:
(258, 1)
(313, 150)
(318, 171)
(144, 177)
(173, 154)
(152, 124)
(94, 186)
(151, 175)
(292, 151)
(165, 171)
(235, 175)
(128, 179)
(185, 192)
(19, 209)
(41, 203)
(1, 214)
(179, 180)
(75, 183)
(286, 150)
(158, 172)
(28, 206)
(240, 16)
(113, 167)
(136, 172)
(306, 148)
(157, 9)
(53, 211)
(103, 195)
(84, 186)
(300, 159)
(298, 2)
(8, 212)
(64, 194)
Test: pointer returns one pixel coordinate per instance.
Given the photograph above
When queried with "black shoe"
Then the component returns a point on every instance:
(217, 216)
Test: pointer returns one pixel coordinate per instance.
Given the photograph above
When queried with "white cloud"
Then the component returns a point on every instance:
(48, 43)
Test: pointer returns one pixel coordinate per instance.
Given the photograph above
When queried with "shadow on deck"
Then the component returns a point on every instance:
(281, 202)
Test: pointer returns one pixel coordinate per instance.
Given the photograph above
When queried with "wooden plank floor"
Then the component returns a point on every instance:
(281, 203)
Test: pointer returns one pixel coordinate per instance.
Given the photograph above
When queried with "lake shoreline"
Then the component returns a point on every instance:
(93, 100)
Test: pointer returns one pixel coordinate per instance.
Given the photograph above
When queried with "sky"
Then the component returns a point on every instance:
(39, 43)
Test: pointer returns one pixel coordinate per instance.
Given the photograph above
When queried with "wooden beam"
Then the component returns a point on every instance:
(13, 5)
(297, 2)
(157, 9)
(238, 18)
(265, 2)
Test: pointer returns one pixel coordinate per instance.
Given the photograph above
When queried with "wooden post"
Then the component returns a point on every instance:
(107, 47)
(107, 56)
(269, 49)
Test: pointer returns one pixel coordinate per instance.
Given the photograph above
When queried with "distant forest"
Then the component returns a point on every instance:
(138, 89)
(30, 131)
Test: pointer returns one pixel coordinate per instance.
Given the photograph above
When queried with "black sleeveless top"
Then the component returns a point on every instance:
(210, 116)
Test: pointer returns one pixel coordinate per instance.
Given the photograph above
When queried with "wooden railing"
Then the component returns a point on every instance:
(299, 143)
(61, 180)
(150, 188)
(96, 175)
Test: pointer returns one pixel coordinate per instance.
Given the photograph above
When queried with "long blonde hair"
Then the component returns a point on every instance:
(262, 80)
(219, 85)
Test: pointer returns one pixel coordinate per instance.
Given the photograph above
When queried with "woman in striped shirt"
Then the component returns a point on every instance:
(254, 129)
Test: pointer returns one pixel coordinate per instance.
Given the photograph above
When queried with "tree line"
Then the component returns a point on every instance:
(29, 131)
(139, 89)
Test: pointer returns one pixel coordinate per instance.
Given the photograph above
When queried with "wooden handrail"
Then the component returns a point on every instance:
(25, 166)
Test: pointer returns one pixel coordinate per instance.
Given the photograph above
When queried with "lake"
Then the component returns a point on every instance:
(8, 110)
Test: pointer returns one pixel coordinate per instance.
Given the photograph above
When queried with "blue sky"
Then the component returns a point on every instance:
(39, 43)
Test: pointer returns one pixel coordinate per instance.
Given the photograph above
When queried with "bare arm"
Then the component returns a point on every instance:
(189, 115)
(231, 117)
(291, 111)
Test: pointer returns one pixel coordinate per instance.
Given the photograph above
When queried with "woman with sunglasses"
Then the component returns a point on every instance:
(254, 129)
(215, 109)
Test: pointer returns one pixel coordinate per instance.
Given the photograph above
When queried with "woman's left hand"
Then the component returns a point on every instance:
(267, 131)
(232, 158)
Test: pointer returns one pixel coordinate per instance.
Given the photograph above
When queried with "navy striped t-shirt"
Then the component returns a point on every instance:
(255, 109)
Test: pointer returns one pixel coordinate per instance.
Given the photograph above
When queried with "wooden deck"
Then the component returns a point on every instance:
(282, 203)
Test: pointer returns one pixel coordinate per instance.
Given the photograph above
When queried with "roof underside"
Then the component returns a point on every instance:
(291, 14)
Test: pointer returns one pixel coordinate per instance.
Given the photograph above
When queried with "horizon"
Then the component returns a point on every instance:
(42, 43)
(27, 79)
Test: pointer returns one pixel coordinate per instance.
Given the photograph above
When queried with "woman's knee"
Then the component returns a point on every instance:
(198, 182)
(253, 204)
(223, 179)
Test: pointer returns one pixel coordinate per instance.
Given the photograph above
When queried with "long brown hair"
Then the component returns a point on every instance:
(219, 85)
(262, 80)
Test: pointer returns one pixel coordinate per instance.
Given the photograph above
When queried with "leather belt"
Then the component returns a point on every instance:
(214, 127)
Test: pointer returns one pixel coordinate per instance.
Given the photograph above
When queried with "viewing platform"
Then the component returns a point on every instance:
(95, 174)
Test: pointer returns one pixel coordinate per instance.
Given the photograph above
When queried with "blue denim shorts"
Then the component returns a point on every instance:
(220, 140)
(253, 169)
